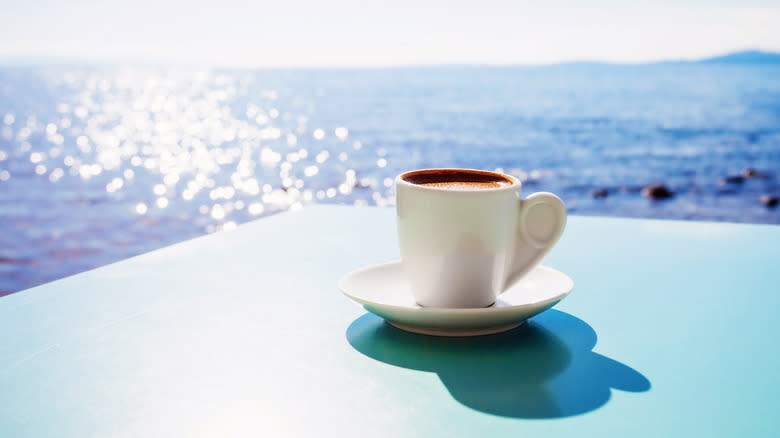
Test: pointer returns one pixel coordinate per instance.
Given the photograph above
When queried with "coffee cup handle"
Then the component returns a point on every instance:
(541, 221)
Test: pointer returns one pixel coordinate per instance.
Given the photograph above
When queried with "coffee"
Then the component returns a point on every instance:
(457, 179)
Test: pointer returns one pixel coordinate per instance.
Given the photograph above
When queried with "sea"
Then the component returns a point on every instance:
(100, 163)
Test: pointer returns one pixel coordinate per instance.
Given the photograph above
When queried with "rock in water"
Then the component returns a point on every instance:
(736, 179)
(769, 200)
(749, 172)
(599, 193)
(657, 191)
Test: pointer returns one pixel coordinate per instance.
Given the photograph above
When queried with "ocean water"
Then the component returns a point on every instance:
(101, 163)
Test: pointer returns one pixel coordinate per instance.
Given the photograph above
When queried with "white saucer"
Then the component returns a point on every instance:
(383, 291)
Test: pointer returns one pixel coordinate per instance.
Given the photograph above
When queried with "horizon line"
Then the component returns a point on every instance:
(25, 60)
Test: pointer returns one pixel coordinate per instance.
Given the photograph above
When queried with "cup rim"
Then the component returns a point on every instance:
(516, 183)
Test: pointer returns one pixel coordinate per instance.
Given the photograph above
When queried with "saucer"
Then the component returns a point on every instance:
(383, 291)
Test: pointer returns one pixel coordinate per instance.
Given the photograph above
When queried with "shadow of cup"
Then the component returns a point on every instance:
(543, 369)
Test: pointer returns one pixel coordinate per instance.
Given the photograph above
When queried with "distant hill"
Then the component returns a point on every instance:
(737, 58)
(746, 57)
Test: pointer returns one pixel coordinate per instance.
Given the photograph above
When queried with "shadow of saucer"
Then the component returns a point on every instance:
(543, 369)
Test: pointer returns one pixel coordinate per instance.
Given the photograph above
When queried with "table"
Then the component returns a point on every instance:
(671, 330)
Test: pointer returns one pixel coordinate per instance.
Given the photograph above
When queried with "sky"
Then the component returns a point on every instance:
(350, 33)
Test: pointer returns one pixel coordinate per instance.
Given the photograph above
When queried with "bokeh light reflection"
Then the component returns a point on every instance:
(159, 156)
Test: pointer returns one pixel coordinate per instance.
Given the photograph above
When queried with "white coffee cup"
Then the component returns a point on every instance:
(466, 235)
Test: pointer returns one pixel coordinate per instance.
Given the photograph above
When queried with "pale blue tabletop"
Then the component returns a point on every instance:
(671, 330)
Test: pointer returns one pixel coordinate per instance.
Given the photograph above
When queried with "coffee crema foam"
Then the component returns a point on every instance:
(462, 185)
(458, 180)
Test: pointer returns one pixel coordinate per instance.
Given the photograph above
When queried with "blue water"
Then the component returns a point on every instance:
(98, 164)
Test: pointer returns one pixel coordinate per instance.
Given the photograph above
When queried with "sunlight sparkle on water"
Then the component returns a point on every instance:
(217, 212)
(56, 174)
(115, 185)
(341, 133)
(322, 156)
(189, 144)
(256, 208)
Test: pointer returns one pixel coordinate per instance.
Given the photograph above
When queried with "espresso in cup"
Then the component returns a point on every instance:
(455, 179)
(467, 235)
